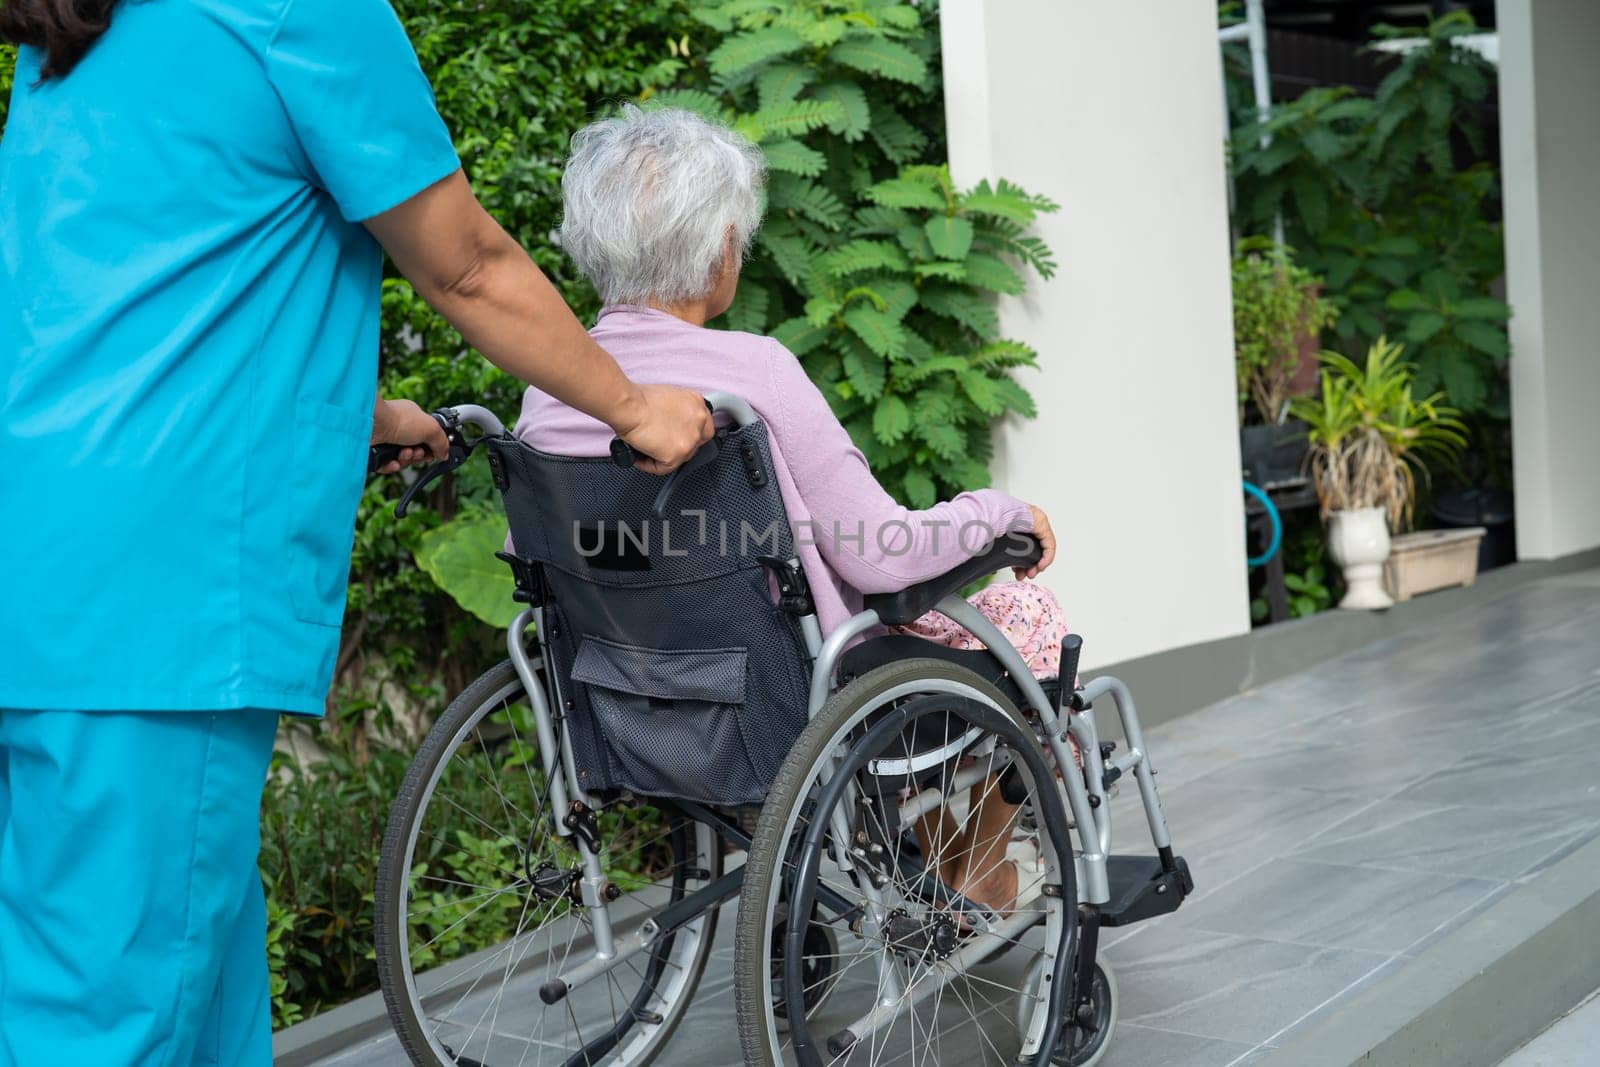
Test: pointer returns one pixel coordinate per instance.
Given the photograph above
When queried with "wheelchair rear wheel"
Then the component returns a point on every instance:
(855, 833)
(477, 903)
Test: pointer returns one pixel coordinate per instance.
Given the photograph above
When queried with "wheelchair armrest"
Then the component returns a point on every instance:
(1009, 550)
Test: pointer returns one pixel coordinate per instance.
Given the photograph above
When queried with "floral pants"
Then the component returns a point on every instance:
(1026, 612)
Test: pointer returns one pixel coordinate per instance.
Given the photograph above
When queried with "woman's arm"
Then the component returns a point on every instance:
(462, 263)
(872, 542)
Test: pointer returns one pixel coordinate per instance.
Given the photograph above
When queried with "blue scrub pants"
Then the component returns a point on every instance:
(132, 920)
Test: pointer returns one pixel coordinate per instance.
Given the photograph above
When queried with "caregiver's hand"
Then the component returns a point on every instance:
(400, 422)
(672, 425)
(1047, 542)
(478, 277)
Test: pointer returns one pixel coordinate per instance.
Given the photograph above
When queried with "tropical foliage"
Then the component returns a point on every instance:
(1277, 310)
(1371, 195)
(1369, 431)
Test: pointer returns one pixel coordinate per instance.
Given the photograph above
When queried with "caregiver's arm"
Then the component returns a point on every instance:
(478, 277)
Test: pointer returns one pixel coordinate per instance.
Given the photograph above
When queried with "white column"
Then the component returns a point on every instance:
(1550, 151)
(1115, 111)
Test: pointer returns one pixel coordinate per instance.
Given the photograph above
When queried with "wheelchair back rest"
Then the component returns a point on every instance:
(677, 671)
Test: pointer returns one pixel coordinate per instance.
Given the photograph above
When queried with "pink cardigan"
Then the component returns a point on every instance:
(824, 478)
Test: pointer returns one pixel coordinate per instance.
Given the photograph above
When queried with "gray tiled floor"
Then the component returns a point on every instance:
(1336, 821)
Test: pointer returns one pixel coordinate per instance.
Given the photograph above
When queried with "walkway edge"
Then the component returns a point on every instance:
(336, 1030)
(1480, 992)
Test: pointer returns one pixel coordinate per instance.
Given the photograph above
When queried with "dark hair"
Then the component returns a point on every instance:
(64, 29)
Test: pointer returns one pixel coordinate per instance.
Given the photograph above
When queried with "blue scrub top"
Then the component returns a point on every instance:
(188, 346)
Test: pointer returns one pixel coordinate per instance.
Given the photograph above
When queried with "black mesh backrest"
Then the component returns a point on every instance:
(684, 677)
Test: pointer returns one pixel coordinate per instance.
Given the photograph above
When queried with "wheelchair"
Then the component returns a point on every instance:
(670, 731)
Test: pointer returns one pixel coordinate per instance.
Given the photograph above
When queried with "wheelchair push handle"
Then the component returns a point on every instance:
(451, 420)
(624, 455)
(380, 456)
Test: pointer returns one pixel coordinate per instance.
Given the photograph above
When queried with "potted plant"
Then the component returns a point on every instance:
(1367, 435)
(1278, 317)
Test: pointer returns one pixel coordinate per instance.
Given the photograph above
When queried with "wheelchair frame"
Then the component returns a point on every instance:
(1087, 802)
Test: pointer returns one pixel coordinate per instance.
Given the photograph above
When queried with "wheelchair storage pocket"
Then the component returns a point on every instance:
(670, 719)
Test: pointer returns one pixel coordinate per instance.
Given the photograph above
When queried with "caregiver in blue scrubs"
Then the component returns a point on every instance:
(193, 195)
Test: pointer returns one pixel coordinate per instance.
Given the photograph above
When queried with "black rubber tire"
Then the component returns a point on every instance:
(769, 847)
(392, 874)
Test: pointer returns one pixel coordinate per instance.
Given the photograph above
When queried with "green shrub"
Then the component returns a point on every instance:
(8, 67)
(1374, 202)
(320, 837)
(1276, 309)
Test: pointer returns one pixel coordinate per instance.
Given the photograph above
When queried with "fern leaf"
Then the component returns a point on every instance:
(782, 82)
(917, 347)
(1015, 397)
(791, 254)
(900, 16)
(942, 436)
(799, 336)
(950, 236)
(979, 388)
(914, 239)
(1007, 201)
(787, 120)
(820, 310)
(920, 490)
(749, 311)
(878, 330)
(931, 367)
(900, 141)
(854, 116)
(862, 255)
(898, 295)
(864, 369)
(822, 32)
(737, 54)
(701, 103)
(962, 305)
(808, 199)
(906, 193)
(881, 57)
(891, 419)
(794, 157)
(1031, 250)
(954, 272)
(877, 221)
(1006, 354)
(992, 273)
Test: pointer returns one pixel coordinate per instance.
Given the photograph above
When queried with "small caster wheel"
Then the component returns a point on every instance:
(1082, 1044)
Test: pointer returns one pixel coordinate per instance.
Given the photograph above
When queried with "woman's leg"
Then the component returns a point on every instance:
(124, 880)
(1032, 620)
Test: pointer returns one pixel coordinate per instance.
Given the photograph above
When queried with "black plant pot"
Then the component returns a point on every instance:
(1493, 509)
(1272, 455)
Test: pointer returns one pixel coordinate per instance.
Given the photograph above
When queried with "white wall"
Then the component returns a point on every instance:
(1550, 150)
(1115, 111)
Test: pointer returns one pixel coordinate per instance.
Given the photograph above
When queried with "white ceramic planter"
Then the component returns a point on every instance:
(1358, 540)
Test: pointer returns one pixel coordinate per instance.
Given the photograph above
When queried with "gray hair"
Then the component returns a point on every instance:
(650, 199)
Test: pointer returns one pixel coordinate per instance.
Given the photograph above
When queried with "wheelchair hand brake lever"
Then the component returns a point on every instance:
(460, 449)
(706, 453)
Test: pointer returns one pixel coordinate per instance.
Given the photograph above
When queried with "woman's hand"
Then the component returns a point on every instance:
(1047, 541)
(401, 422)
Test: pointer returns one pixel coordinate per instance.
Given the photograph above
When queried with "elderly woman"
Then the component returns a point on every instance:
(660, 208)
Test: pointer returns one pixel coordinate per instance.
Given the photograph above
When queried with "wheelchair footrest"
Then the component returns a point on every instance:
(1142, 888)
